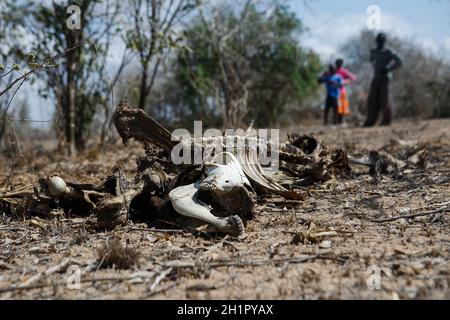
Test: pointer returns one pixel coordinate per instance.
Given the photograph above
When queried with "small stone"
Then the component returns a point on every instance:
(325, 244)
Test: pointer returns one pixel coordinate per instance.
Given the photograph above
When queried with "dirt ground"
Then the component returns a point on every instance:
(358, 256)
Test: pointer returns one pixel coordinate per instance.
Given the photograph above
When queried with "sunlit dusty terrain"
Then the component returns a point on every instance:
(345, 241)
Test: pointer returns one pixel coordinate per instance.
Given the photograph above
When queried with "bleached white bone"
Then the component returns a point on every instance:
(183, 202)
(221, 179)
(225, 177)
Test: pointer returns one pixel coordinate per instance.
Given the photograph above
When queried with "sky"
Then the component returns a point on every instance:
(330, 23)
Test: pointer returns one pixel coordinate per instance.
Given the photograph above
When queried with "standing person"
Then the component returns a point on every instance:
(347, 77)
(384, 60)
(333, 83)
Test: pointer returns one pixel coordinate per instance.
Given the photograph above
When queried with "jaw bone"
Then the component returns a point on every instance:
(224, 182)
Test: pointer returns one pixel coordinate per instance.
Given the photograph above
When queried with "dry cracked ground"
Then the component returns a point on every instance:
(345, 241)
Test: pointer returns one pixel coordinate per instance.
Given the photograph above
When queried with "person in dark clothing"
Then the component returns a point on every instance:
(384, 60)
(333, 83)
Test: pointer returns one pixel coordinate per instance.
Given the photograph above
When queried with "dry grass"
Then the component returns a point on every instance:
(412, 254)
(114, 255)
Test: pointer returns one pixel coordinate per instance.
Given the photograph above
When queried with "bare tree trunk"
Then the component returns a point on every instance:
(70, 123)
(70, 108)
(143, 91)
(104, 124)
(2, 130)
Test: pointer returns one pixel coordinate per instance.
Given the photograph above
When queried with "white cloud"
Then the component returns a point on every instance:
(446, 45)
(396, 25)
(115, 54)
(327, 32)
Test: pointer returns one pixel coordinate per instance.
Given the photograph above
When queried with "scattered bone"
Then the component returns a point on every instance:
(220, 195)
(57, 186)
(381, 162)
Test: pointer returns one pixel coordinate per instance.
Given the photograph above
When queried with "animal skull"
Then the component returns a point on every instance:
(221, 191)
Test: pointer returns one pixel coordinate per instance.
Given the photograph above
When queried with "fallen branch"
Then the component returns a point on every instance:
(44, 285)
(135, 123)
(251, 263)
(154, 293)
(30, 287)
(411, 216)
(160, 278)
(156, 230)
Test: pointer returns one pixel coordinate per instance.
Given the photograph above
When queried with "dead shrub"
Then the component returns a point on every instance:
(114, 255)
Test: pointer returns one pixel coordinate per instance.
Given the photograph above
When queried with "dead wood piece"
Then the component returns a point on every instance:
(254, 263)
(414, 215)
(159, 278)
(312, 235)
(135, 123)
(61, 284)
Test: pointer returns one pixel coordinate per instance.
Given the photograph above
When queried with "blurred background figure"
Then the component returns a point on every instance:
(384, 60)
(333, 83)
(347, 77)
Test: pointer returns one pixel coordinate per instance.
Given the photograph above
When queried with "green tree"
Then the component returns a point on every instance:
(11, 52)
(151, 34)
(243, 63)
(79, 86)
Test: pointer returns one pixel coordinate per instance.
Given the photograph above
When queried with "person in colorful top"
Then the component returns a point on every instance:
(333, 83)
(384, 60)
(347, 77)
